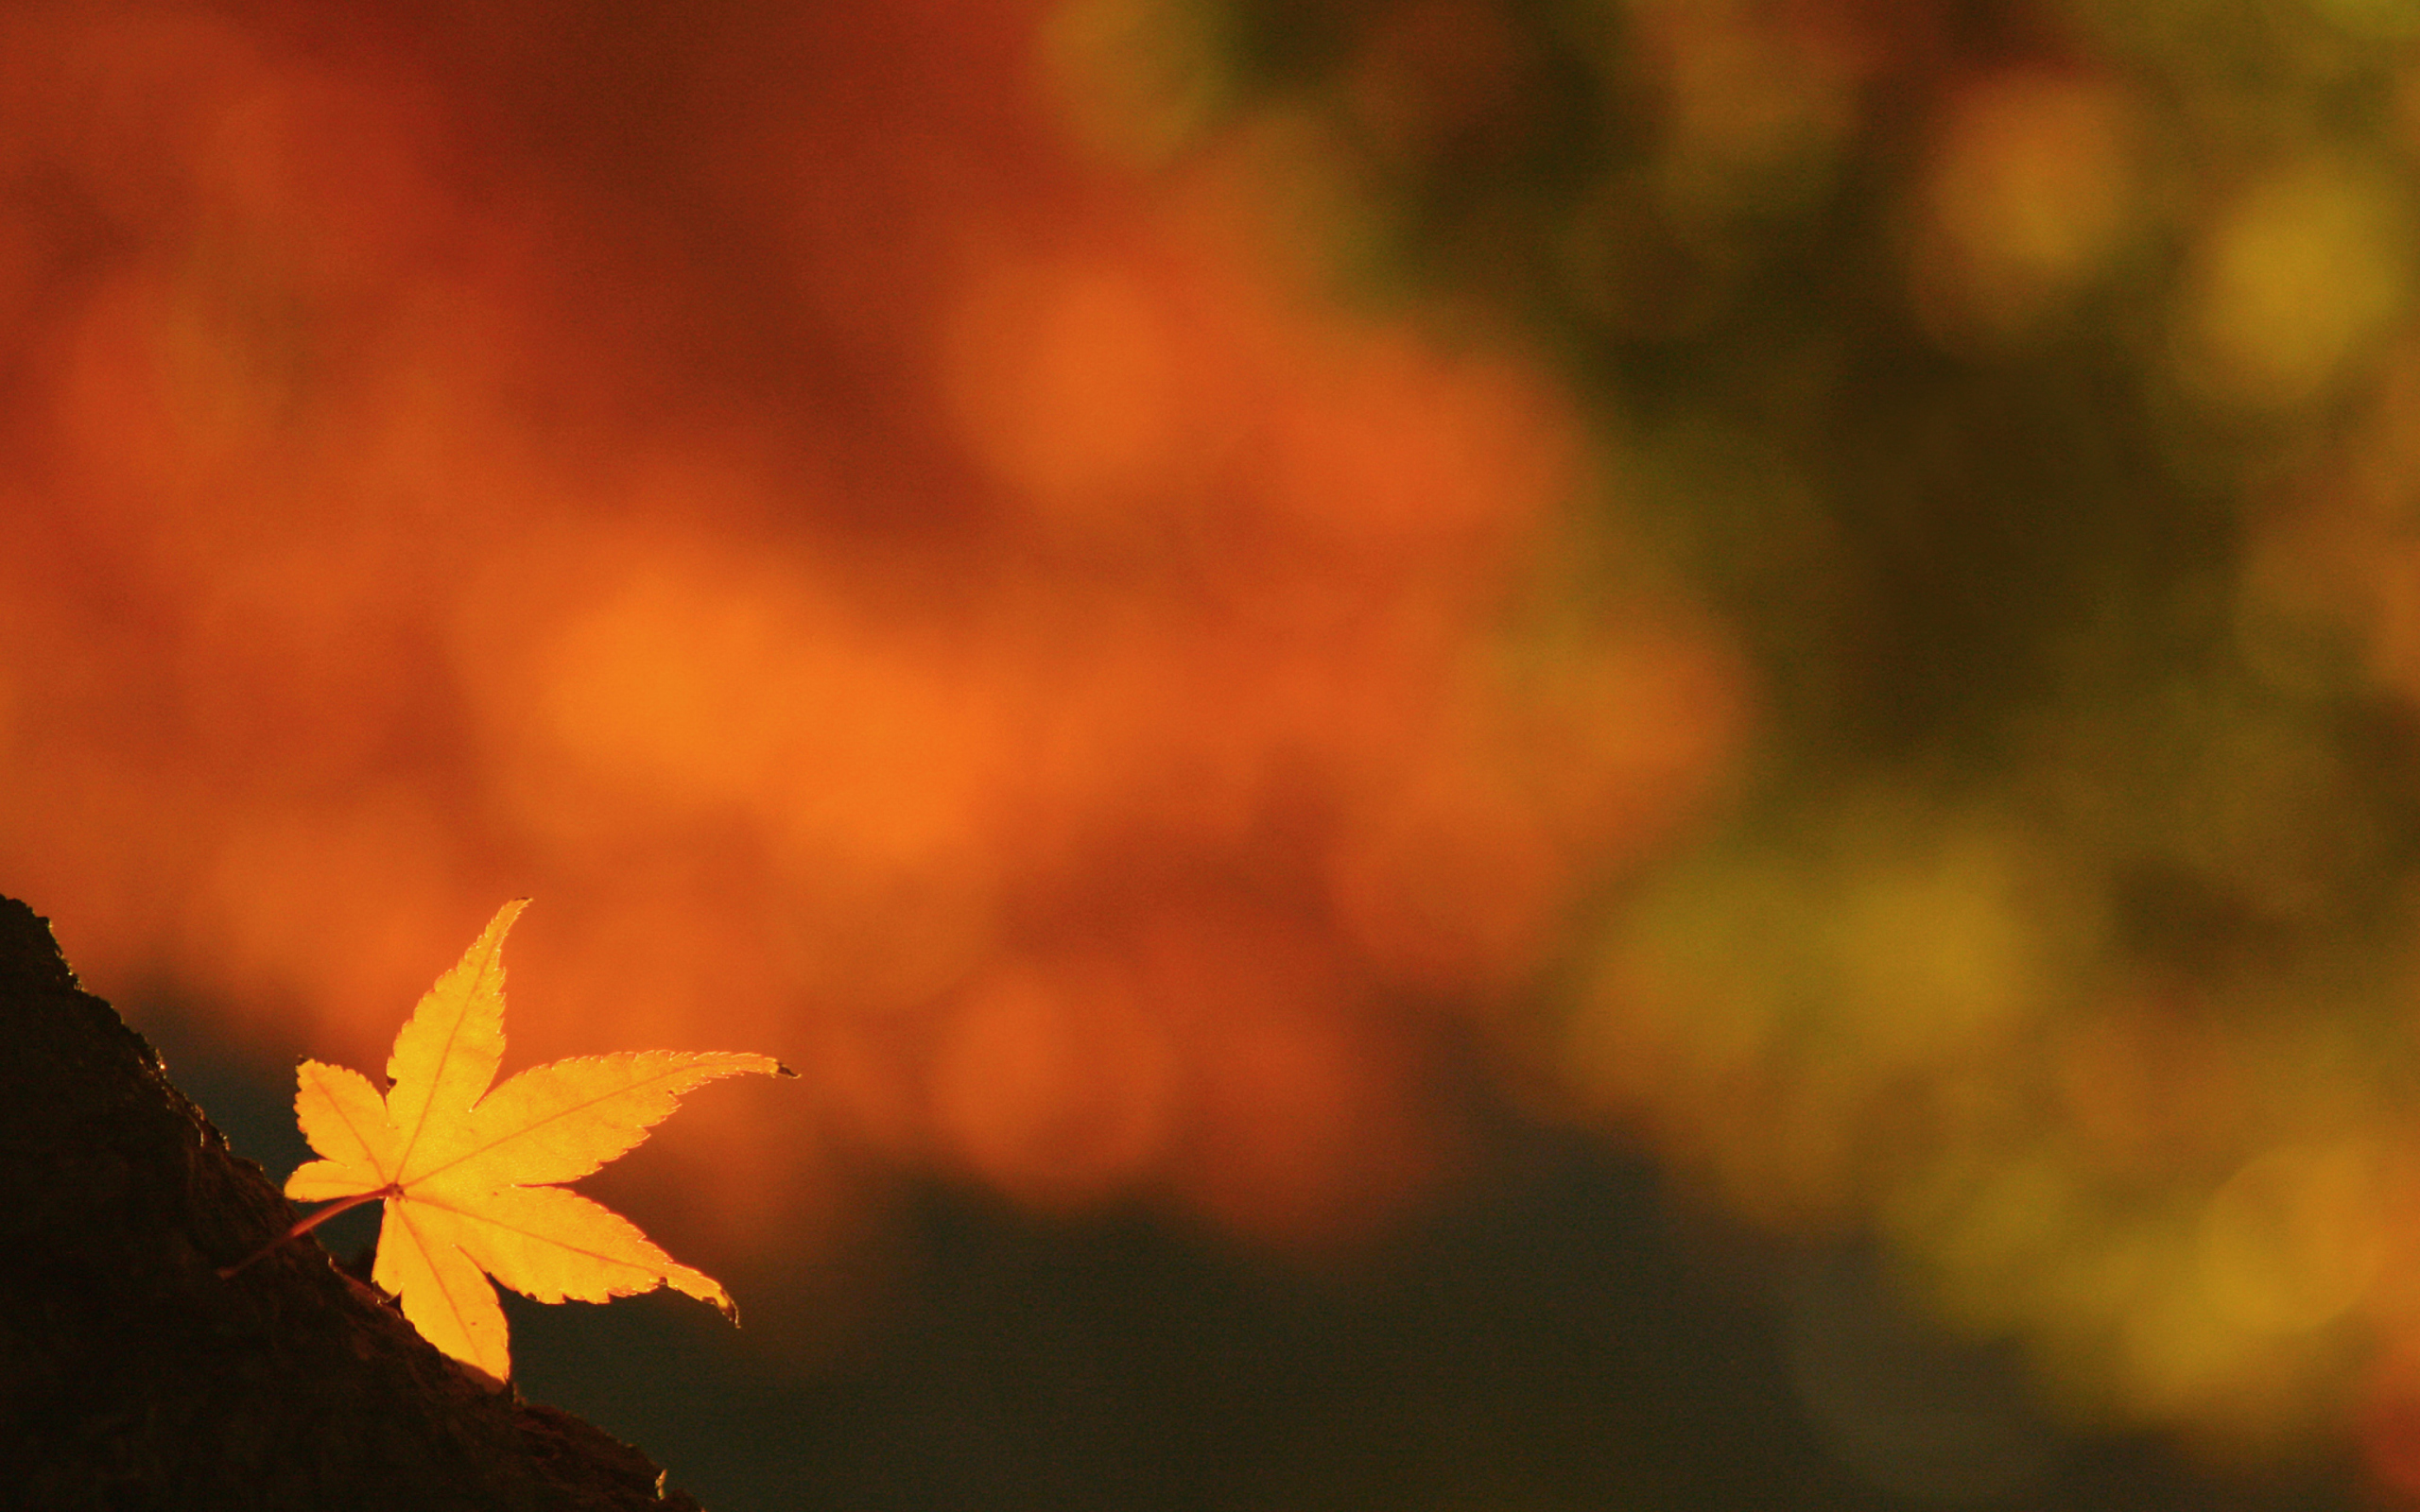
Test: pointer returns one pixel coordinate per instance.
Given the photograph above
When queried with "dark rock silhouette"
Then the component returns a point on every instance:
(133, 1376)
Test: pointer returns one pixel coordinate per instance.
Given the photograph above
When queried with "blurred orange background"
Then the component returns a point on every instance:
(902, 590)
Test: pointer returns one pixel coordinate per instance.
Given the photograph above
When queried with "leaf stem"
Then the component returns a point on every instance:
(304, 1226)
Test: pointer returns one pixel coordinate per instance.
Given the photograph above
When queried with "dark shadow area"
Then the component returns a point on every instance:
(1557, 1338)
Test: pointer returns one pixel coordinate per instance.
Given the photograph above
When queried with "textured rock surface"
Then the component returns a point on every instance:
(132, 1376)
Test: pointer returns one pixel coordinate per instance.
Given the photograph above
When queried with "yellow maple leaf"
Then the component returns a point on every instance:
(467, 1174)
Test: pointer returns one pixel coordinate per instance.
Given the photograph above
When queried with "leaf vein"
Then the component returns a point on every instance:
(535, 1125)
(474, 1216)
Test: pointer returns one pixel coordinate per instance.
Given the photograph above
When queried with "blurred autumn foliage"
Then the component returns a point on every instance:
(2032, 388)
(1143, 588)
(902, 592)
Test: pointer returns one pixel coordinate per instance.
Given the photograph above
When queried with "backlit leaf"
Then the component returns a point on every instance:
(466, 1172)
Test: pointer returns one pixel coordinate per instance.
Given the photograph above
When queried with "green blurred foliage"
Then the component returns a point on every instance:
(2032, 390)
